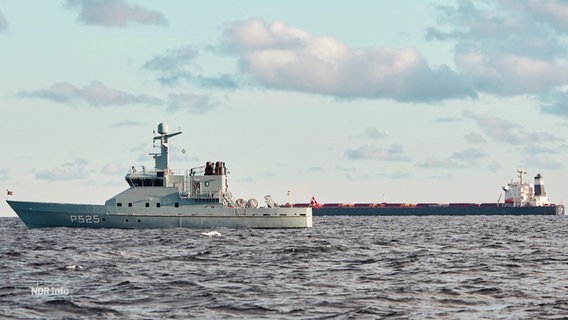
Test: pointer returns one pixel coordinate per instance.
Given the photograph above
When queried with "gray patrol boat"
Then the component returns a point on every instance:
(166, 198)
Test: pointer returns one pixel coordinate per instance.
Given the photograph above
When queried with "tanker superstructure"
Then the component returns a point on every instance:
(520, 198)
(167, 198)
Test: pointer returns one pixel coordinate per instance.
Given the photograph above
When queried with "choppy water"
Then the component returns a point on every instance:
(470, 267)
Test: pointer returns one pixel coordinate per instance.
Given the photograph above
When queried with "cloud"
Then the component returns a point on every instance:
(457, 160)
(221, 81)
(114, 13)
(536, 148)
(283, 57)
(507, 48)
(69, 171)
(534, 152)
(172, 61)
(553, 12)
(3, 23)
(374, 133)
(433, 163)
(172, 68)
(494, 167)
(541, 161)
(469, 156)
(555, 102)
(369, 152)
(505, 131)
(94, 94)
(192, 103)
(474, 138)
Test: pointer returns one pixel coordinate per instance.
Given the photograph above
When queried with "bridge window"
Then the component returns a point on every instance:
(119, 204)
(147, 205)
(145, 182)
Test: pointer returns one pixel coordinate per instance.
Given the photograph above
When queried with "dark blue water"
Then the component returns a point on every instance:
(468, 267)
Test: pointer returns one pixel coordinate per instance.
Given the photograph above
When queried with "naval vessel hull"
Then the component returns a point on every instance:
(49, 215)
(439, 211)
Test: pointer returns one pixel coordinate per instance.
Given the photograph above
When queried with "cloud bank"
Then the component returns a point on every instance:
(508, 48)
(283, 57)
(502, 48)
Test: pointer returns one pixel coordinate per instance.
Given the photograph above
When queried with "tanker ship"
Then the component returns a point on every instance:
(521, 198)
(167, 198)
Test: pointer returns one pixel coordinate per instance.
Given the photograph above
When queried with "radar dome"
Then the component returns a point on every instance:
(163, 128)
(252, 203)
(240, 203)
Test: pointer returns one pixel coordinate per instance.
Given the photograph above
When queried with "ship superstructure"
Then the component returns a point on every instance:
(164, 197)
(163, 186)
(521, 194)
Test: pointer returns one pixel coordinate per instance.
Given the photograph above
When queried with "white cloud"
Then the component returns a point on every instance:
(287, 58)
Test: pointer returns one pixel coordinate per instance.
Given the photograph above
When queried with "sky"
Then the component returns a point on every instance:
(362, 101)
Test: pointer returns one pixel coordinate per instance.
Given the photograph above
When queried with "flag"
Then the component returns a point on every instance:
(9, 192)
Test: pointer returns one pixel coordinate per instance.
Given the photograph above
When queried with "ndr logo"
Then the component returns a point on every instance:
(48, 291)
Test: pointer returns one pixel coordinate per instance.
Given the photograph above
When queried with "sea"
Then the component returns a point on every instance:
(431, 267)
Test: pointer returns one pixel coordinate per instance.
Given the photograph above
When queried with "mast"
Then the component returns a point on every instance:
(521, 173)
(162, 159)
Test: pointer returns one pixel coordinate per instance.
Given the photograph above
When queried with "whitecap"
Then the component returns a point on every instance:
(74, 267)
(211, 234)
